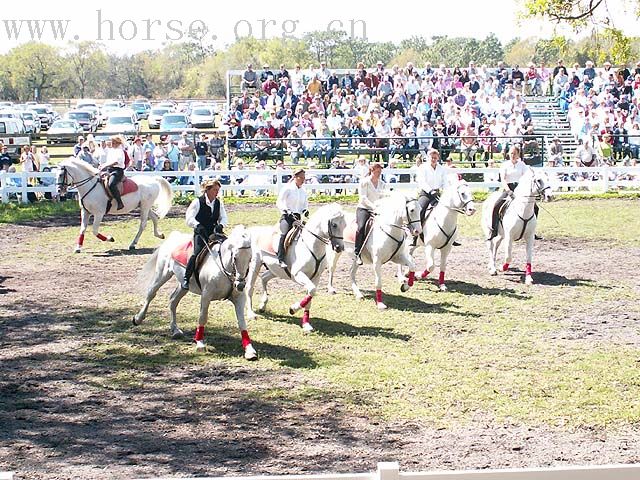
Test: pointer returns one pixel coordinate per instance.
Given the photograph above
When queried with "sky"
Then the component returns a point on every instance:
(129, 27)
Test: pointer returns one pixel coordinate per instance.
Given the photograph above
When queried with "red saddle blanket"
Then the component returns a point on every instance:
(350, 232)
(268, 239)
(182, 253)
(128, 186)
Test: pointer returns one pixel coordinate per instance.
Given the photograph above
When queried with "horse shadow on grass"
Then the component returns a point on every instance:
(4, 290)
(334, 328)
(552, 279)
(415, 305)
(458, 286)
(124, 252)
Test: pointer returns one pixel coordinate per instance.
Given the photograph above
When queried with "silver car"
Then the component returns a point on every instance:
(203, 117)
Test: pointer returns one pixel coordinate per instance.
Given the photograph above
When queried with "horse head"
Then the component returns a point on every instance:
(72, 173)
(239, 244)
(542, 188)
(330, 222)
(461, 198)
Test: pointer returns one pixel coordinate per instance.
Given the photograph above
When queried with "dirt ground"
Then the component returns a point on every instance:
(197, 421)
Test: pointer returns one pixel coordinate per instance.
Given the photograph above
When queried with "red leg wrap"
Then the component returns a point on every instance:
(306, 301)
(305, 317)
(424, 274)
(80, 239)
(101, 237)
(412, 278)
(199, 333)
(245, 338)
(441, 279)
(378, 296)
(527, 269)
(505, 267)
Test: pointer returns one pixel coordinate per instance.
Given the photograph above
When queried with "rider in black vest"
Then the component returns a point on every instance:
(207, 216)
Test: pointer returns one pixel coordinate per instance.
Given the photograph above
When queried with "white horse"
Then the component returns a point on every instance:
(519, 221)
(305, 257)
(93, 198)
(440, 229)
(386, 241)
(222, 276)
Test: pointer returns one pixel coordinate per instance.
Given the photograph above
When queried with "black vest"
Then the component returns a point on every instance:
(205, 217)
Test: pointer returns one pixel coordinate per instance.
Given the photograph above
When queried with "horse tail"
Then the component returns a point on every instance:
(148, 271)
(165, 198)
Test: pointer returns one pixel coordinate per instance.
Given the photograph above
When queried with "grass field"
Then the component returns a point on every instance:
(439, 358)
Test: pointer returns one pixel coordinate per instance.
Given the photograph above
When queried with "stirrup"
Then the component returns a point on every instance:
(185, 283)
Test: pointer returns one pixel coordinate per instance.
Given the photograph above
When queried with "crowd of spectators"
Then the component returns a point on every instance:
(602, 109)
(314, 113)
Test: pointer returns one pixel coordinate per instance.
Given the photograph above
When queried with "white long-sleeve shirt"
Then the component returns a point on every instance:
(429, 178)
(368, 194)
(194, 208)
(511, 173)
(292, 199)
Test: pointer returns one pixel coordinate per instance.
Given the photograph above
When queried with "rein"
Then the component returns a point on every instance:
(325, 241)
(74, 184)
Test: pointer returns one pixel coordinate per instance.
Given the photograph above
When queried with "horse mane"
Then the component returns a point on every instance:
(81, 164)
(328, 212)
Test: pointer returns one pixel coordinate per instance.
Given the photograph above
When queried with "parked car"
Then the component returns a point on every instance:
(85, 118)
(122, 122)
(64, 131)
(17, 114)
(202, 117)
(174, 122)
(46, 114)
(166, 104)
(31, 122)
(14, 136)
(155, 116)
(142, 108)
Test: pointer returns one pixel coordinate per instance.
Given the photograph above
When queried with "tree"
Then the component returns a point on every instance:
(323, 44)
(490, 50)
(33, 68)
(86, 64)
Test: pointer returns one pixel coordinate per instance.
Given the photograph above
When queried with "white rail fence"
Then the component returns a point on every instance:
(563, 179)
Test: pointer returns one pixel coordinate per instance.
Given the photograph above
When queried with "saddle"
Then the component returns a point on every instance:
(351, 229)
(125, 187)
(268, 241)
(499, 209)
(182, 253)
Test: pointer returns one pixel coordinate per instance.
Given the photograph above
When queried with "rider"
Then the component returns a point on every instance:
(511, 171)
(292, 203)
(431, 179)
(371, 189)
(114, 164)
(207, 216)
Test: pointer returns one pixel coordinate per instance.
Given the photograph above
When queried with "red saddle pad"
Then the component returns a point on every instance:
(183, 252)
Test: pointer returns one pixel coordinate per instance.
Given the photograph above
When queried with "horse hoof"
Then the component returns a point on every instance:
(332, 291)
(381, 306)
(528, 280)
(134, 320)
(77, 250)
(443, 288)
(404, 287)
(250, 353)
(307, 328)
(200, 346)
(178, 334)
(132, 247)
(161, 236)
(110, 239)
(251, 316)
(493, 272)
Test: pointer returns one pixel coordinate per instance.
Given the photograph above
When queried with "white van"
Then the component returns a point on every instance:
(14, 136)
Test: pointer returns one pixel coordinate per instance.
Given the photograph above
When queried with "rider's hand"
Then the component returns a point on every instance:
(200, 230)
(218, 228)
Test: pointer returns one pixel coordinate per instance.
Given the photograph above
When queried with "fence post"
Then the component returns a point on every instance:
(24, 186)
(388, 471)
(605, 178)
(3, 186)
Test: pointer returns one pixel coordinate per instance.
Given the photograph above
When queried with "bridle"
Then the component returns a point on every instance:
(64, 175)
(463, 205)
(234, 274)
(408, 223)
(325, 241)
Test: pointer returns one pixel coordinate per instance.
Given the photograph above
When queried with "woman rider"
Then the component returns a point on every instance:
(207, 216)
(292, 203)
(370, 189)
(511, 171)
(114, 164)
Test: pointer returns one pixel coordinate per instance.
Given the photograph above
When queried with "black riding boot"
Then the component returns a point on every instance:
(281, 251)
(116, 195)
(191, 264)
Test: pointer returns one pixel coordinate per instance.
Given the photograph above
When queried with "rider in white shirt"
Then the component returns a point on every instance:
(370, 190)
(431, 179)
(114, 164)
(292, 203)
